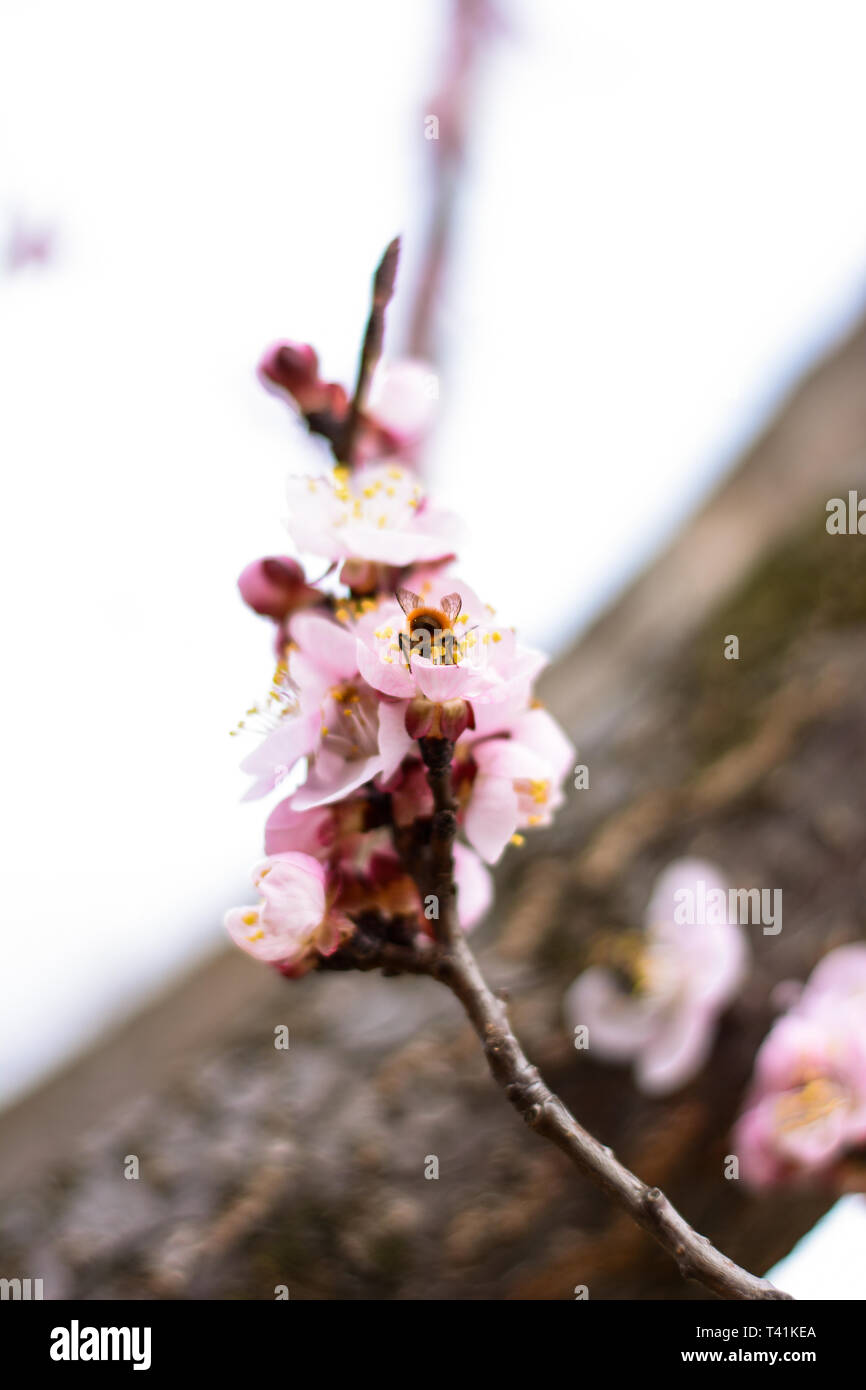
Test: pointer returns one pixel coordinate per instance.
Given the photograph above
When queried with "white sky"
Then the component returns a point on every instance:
(665, 221)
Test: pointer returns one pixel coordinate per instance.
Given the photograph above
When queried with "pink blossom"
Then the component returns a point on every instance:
(337, 721)
(517, 782)
(327, 833)
(685, 976)
(292, 922)
(474, 886)
(807, 1101)
(402, 403)
(378, 512)
(837, 985)
(480, 660)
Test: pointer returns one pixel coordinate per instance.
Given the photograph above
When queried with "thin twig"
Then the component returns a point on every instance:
(371, 349)
(544, 1112)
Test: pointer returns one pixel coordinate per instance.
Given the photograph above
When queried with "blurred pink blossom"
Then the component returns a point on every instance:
(686, 974)
(807, 1102)
(377, 513)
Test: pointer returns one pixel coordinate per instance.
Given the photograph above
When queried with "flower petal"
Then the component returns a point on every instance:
(391, 678)
(491, 816)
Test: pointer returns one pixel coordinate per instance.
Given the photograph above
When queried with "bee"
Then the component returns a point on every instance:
(429, 631)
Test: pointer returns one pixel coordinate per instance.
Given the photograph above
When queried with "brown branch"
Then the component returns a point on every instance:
(371, 349)
(471, 27)
(437, 754)
(456, 966)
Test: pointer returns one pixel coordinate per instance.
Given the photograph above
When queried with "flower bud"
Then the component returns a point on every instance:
(361, 576)
(273, 587)
(291, 367)
(420, 717)
(455, 716)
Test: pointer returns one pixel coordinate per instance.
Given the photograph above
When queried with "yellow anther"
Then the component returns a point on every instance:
(517, 840)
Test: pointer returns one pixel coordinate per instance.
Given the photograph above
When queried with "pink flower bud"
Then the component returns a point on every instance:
(273, 587)
(291, 367)
(362, 576)
(455, 716)
(420, 717)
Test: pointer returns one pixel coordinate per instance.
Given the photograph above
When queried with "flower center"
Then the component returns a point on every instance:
(808, 1104)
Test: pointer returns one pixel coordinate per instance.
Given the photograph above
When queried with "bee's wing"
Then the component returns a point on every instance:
(407, 600)
(451, 605)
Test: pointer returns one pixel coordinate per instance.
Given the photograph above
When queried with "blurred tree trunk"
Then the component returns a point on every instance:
(306, 1168)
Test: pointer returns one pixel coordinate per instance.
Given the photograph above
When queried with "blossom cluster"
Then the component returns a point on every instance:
(390, 649)
(806, 1108)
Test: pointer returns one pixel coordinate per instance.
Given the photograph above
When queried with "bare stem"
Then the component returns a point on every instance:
(371, 349)
(455, 965)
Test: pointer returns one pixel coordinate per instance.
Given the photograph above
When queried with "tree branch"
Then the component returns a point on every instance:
(437, 754)
(471, 27)
(371, 350)
(455, 966)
